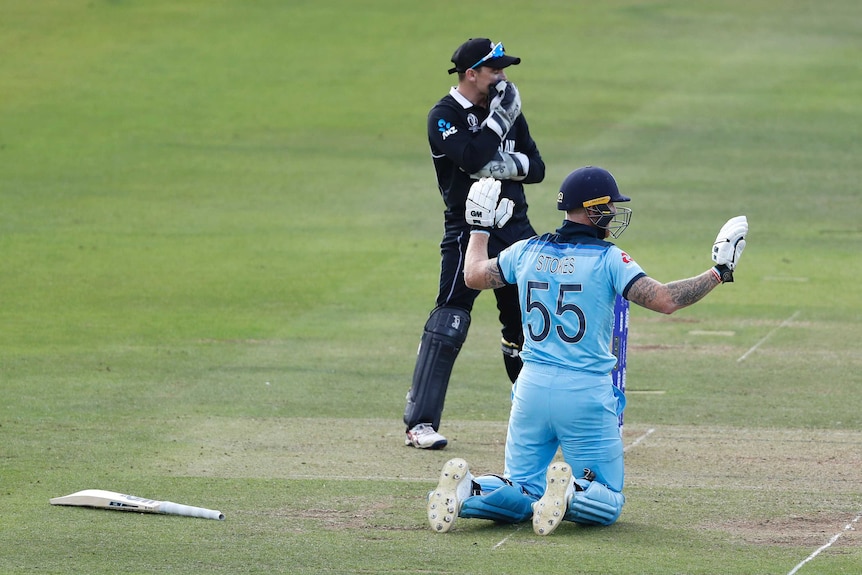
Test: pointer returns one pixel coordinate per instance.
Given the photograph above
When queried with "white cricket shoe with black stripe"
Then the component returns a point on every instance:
(549, 511)
(424, 436)
(444, 503)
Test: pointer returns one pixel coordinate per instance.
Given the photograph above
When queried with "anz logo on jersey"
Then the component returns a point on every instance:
(446, 128)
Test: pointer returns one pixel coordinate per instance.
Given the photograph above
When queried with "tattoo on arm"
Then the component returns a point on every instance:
(492, 274)
(644, 291)
(667, 298)
(686, 292)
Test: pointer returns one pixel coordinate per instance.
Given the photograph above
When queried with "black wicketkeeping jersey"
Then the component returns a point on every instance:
(460, 146)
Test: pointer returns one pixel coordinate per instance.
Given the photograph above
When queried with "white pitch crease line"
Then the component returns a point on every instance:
(848, 527)
(633, 444)
(639, 439)
(507, 537)
(785, 323)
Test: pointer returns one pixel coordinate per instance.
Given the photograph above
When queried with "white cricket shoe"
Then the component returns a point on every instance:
(548, 512)
(423, 436)
(444, 502)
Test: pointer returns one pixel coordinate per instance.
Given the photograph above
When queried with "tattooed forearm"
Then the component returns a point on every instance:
(686, 292)
(644, 292)
(479, 271)
(667, 298)
(493, 277)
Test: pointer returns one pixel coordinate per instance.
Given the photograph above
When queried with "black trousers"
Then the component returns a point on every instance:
(455, 293)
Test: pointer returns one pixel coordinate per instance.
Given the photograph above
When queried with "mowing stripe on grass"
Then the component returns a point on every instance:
(848, 527)
(767, 336)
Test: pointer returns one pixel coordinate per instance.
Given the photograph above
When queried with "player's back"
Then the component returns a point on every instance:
(567, 291)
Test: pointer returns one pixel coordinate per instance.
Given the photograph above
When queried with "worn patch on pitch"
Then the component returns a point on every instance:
(750, 458)
(750, 485)
(758, 486)
(311, 448)
(796, 530)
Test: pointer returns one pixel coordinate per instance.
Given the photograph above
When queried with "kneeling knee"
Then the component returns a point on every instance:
(595, 505)
(505, 503)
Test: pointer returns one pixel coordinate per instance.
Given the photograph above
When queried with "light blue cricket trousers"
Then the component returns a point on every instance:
(553, 408)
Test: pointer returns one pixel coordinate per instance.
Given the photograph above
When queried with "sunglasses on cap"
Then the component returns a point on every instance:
(496, 52)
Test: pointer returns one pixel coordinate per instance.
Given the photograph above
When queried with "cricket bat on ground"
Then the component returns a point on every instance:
(102, 499)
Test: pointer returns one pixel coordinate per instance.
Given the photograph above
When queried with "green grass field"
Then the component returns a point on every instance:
(219, 238)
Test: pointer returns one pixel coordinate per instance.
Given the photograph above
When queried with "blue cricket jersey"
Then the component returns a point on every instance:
(567, 284)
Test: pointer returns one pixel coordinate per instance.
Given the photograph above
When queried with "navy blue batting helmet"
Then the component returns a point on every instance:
(585, 185)
(593, 189)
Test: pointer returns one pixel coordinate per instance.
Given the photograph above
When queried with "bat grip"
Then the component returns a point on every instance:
(172, 508)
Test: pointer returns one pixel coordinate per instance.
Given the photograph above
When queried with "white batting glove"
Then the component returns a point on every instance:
(505, 166)
(728, 246)
(504, 211)
(482, 208)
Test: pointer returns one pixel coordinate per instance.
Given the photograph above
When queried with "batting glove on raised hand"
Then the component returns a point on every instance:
(483, 210)
(505, 166)
(505, 107)
(728, 246)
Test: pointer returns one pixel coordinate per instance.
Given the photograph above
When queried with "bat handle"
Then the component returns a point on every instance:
(172, 508)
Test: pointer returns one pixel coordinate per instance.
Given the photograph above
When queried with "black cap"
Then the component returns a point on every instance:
(476, 51)
(588, 186)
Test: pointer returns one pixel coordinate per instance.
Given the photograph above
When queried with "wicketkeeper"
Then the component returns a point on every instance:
(564, 397)
(476, 130)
